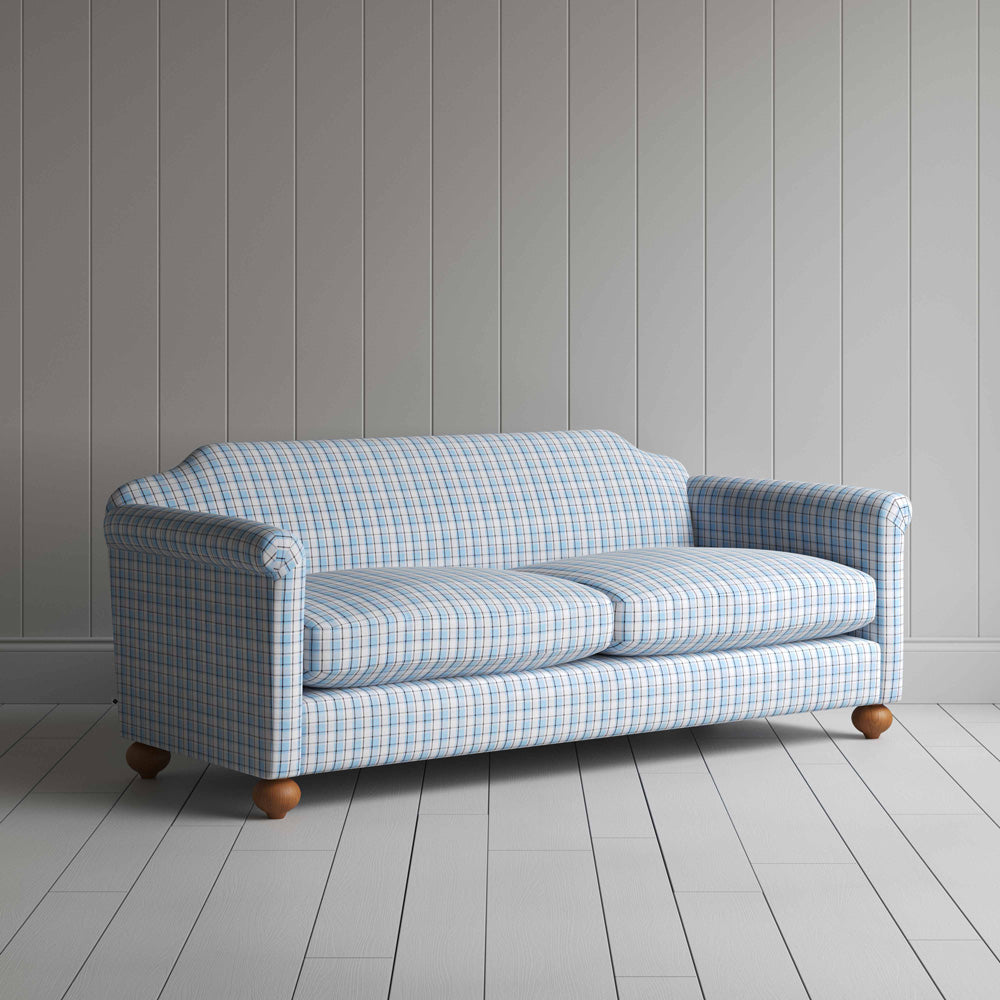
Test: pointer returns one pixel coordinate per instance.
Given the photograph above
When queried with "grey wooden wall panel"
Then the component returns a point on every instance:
(193, 379)
(124, 415)
(329, 219)
(944, 335)
(466, 216)
(807, 322)
(670, 258)
(602, 215)
(397, 217)
(10, 317)
(738, 178)
(56, 284)
(876, 289)
(534, 215)
(989, 315)
(261, 234)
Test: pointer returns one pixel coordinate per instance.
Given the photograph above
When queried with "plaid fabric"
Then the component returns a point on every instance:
(856, 527)
(688, 600)
(207, 618)
(497, 500)
(376, 626)
(600, 696)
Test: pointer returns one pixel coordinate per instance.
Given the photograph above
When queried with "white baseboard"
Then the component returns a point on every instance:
(81, 670)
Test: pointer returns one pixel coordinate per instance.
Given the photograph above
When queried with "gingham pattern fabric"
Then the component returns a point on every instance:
(688, 600)
(857, 527)
(497, 500)
(599, 696)
(376, 626)
(207, 617)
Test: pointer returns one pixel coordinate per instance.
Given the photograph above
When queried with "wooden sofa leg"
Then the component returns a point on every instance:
(872, 720)
(147, 760)
(276, 796)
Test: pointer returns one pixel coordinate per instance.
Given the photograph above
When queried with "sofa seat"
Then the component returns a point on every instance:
(687, 600)
(380, 626)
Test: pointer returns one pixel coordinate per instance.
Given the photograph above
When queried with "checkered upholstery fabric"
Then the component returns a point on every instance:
(857, 527)
(599, 696)
(687, 600)
(376, 626)
(497, 500)
(207, 616)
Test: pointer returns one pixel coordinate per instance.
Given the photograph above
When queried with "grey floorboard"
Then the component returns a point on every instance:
(774, 812)
(17, 720)
(536, 801)
(45, 954)
(644, 928)
(843, 941)
(932, 726)
(70, 721)
(96, 764)
(360, 911)
(805, 739)
(37, 841)
(350, 978)
(963, 970)
(24, 765)
(314, 825)
(120, 847)
(973, 714)
(616, 803)
(250, 938)
(700, 846)
(673, 751)
(442, 936)
(457, 785)
(645, 988)
(545, 932)
(222, 797)
(137, 951)
(964, 853)
(901, 773)
(977, 771)
(737, 947)
(904, 882)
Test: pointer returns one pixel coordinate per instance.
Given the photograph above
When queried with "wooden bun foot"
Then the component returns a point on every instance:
(276, 796)
(872, 720)
(146, 760)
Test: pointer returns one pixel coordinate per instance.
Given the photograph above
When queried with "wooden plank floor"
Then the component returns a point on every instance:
(770, 858)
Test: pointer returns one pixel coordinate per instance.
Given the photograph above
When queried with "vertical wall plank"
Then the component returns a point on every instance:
(397, 217)
(466, 221)
(989, 315)
(944, 596)
(602, 215)
(10, 317)
(193, 380)
(738, 322)
(56, 318)
(670, 175)
(330, 219)
(876, 313)
(261, 247)
(807, 386)
(533, 213)
(124, 268)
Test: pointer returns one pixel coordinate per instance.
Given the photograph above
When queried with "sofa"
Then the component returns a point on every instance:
(287, 608)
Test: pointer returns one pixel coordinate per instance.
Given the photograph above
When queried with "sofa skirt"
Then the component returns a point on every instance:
(599, 696)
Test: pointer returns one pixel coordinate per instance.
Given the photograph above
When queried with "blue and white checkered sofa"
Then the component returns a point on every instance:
(284, 608)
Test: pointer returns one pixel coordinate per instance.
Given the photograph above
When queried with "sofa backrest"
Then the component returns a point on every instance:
(495, 500)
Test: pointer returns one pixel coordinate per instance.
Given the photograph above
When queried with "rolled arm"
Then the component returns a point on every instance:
(207, 614)
(857, 527)
(205, 539)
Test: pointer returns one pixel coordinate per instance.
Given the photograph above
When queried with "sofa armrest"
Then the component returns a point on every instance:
(857, 527)
(204, 539)
(208, 616)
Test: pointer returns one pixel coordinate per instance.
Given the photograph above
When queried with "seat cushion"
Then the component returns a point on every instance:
(379, 626)
(686, 600)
